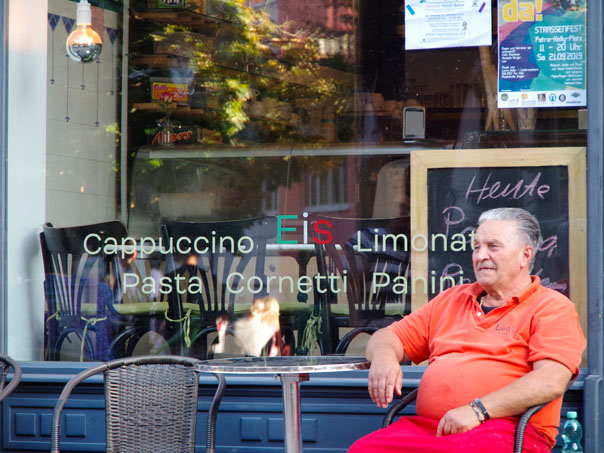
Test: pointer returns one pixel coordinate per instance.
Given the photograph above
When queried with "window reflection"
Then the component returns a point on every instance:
(237, 74)
(241, 109)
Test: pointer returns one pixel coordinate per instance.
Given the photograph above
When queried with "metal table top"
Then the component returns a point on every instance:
(283, 365)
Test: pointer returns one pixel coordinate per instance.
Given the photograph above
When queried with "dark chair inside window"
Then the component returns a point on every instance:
(6, 365)
(150, 404)
(370, 257)
(219, 280)
(409, 398)
(141, 307)
(77, 290)
(85, 316)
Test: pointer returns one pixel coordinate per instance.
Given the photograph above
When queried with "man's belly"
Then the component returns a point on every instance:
(454, 380)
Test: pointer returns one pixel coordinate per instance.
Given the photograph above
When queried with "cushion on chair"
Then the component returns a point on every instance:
(295, 309)
(391, 310)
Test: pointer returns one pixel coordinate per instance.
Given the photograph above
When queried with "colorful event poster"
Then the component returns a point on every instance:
(431, 24)
(542, 53)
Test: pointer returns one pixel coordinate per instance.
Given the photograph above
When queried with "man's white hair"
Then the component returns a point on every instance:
(526, 225)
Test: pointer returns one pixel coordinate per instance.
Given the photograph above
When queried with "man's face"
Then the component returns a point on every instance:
(501, 257)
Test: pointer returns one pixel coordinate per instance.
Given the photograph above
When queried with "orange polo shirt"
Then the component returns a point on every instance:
(472, 354)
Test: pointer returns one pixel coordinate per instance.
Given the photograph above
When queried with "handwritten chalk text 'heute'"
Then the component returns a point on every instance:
(515, 191)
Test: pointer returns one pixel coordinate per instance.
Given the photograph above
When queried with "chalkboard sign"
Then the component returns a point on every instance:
(457, 197)
(449, 190)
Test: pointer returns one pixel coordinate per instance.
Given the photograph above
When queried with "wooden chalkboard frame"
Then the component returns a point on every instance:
(573, 158)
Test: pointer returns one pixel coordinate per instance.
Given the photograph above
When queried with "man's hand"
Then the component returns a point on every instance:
(385, 378)
(457, 421)
(385, 352)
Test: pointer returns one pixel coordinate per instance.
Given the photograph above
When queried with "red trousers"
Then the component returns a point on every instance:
(414, 434)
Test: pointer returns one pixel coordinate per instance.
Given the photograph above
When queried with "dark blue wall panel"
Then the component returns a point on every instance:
(336, 410)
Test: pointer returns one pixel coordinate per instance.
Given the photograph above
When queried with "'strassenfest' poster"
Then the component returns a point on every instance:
(542, 53)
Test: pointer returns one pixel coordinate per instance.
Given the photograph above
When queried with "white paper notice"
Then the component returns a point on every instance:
(431, 24)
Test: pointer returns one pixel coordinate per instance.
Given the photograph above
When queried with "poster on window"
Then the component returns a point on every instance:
(542, 53)
(432, 24)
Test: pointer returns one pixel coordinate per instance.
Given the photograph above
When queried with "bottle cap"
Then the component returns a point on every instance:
(571, 414)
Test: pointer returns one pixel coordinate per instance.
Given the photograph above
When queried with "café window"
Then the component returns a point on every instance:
(224, 144)
(326, 192)
(270, 204)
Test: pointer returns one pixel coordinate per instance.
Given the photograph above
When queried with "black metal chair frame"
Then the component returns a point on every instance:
(68, 270)
(6, 363)
(366, 310)
(63, 248)
(411, 397)
(151, 318)
(165, 385)
(213, 269)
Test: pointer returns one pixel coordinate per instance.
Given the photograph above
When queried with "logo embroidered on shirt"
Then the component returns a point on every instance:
(504, 329)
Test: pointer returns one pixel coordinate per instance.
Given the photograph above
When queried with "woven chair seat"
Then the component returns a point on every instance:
(150, 404)
(153, 409)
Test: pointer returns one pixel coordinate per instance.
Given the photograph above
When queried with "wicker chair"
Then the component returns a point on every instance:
(411, 396)
(6, 363)
(150, 404)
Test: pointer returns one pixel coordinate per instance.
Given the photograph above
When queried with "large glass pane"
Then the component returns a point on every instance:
(238, 141)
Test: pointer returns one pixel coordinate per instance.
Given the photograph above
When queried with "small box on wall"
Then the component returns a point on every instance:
(169, 90)
(414, 122)
(582, 118)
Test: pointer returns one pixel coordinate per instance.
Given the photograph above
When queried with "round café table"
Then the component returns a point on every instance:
(291, 370)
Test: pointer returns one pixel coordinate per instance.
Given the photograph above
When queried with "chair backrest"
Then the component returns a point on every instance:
(150, 403)
(147, 267)
(6, 363)
(373, 256)
(76, 270)
(216, 256)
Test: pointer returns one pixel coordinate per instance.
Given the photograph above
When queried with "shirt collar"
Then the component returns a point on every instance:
(474, 290)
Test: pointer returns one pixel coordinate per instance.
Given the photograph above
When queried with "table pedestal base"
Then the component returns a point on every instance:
(290, 370)
(291, 410)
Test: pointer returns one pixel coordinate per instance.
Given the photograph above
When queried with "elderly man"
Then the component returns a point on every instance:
(495, 347)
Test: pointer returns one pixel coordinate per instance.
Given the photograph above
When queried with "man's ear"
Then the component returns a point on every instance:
(527, 254)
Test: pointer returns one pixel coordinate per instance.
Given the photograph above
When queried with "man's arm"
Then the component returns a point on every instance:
(386, 352)
(546, 382)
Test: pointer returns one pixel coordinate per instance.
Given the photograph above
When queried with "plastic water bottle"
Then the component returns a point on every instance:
(572, 432)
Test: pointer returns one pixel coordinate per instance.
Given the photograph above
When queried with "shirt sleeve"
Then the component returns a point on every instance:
(413, 332)
(557, 335)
